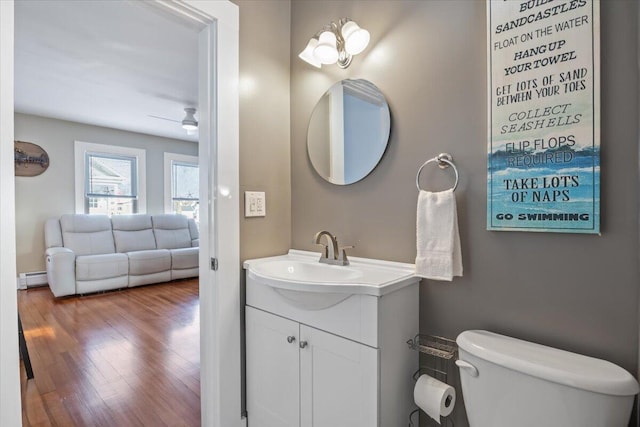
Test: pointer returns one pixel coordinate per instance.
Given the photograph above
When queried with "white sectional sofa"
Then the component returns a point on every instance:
(91, 253)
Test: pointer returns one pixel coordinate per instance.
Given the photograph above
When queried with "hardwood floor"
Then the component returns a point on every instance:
(123, 358)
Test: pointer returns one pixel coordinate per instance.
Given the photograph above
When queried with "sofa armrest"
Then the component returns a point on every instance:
(195, 243)
(61, 274)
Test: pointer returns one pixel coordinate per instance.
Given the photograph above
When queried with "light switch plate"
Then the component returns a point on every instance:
(255, 203)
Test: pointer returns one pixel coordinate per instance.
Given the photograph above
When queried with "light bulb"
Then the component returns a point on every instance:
(326, 51)
(356, 39)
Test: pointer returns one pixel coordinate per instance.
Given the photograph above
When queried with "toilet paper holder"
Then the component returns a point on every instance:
(443, 351)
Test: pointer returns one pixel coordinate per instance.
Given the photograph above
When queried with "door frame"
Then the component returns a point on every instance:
(10, 406)
(220, 362)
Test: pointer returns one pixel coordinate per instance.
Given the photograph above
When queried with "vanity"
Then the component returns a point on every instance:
(326, 344)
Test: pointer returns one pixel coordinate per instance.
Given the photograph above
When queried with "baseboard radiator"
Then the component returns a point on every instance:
(32, 279)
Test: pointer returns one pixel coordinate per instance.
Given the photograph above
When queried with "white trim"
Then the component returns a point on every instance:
(219, 291)
(10, 402)
(220, 357)
(80, 148)
(32, 279)
(168, 159)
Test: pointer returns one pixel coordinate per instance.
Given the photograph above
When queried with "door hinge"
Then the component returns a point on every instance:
(214, 264)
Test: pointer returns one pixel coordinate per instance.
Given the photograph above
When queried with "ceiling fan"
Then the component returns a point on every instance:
(189, 123)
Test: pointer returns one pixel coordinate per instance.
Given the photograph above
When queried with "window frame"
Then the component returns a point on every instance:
(81, 149)
(169, 158)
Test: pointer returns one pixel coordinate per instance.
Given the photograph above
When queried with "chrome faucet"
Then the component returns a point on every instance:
(332, 253)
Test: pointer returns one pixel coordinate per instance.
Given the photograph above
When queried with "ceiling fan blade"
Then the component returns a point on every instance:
(164, 118)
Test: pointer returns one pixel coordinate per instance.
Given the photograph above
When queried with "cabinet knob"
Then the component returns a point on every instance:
(303, 344)
(291, 339)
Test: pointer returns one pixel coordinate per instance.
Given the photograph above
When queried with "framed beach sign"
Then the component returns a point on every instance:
(544, 116)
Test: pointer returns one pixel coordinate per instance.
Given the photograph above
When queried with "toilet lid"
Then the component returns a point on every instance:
(551, 364)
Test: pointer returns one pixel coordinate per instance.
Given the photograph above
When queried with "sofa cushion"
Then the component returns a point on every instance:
(146, 279)
(87, 234)
(185, 273)
(171, 231)
(133, 233)
(90, 286)
(95, 267)
(184, 258)
(148, 262)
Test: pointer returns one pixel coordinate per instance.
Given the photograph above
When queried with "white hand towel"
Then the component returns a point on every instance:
(438, 256)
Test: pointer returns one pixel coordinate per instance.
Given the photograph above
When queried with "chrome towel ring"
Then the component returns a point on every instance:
(444, 160)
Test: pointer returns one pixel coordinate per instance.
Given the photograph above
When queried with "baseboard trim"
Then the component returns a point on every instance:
(32, 279)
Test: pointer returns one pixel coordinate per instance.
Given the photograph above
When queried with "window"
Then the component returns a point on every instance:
(182, 190)
(109, 179)
(110, 184)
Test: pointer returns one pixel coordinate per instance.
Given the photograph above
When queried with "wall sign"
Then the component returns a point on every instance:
(544, 116)
(30, 159)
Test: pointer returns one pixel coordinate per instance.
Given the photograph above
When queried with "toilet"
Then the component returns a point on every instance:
(507, 382)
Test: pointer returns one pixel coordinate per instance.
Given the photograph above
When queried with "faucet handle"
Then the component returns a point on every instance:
(343, 254)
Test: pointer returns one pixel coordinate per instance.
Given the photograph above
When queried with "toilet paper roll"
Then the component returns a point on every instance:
(434, 397)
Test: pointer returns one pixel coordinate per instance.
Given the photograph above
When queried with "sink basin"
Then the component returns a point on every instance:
(298, 273)
(304, 271)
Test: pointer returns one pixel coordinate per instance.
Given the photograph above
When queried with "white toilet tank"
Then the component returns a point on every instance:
(507, 382)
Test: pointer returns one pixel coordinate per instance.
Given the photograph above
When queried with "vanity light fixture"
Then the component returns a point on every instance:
(189, 123)
(307, 54)
(336, 43)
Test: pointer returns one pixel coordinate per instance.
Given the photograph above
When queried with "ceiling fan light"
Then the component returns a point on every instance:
(326, 51)
(189, 123)
(356, 39)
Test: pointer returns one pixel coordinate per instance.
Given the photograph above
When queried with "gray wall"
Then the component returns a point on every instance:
(574, 292)
(53, 193)
(265, 124)
(264, 128)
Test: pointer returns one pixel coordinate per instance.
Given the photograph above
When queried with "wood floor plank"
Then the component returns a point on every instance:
(35, 412)
(122, 358)
(58, 414)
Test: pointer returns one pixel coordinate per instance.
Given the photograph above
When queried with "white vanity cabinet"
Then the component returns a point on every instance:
(328, 358)
(301, 376)
(273, 370)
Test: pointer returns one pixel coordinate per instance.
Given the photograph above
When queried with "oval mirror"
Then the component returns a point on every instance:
(348, 131)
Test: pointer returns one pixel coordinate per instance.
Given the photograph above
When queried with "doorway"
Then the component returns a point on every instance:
(219, 290)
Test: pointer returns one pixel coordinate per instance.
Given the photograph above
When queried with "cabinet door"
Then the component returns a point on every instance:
(273, 386)
(338, 381)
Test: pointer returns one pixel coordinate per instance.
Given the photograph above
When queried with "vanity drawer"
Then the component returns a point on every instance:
(351, 316)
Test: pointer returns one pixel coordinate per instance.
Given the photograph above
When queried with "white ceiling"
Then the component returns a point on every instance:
(107, 63)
